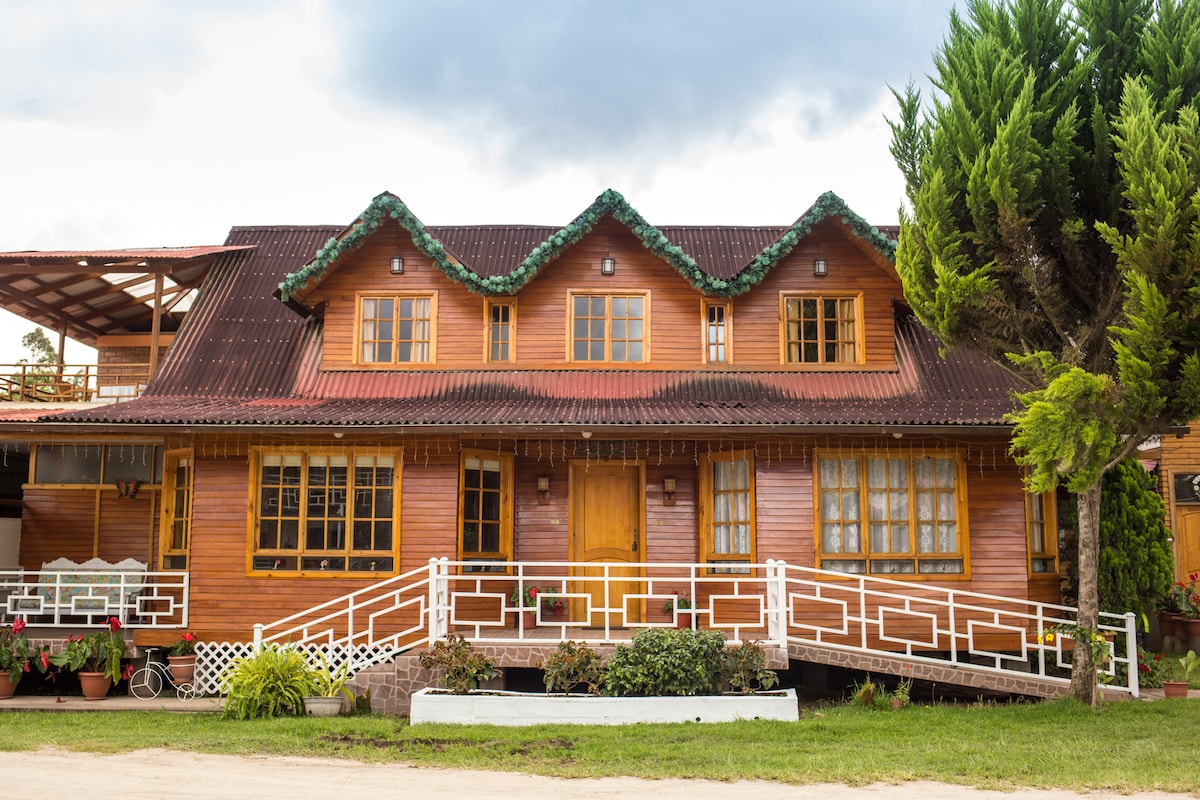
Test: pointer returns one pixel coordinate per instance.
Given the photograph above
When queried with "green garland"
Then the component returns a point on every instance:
(609, 202)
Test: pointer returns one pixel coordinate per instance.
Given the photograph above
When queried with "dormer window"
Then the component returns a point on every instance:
(609, 327)
(396, 329)
(821, 329)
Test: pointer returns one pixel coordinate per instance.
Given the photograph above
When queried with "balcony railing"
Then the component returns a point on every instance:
(72, 383)
(77, 598)
(775, 603)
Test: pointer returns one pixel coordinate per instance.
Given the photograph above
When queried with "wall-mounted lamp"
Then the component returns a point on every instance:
(668, 491)
(820, 267)
(608, 266)
(586, 434)
(397, 266)
(543, 484)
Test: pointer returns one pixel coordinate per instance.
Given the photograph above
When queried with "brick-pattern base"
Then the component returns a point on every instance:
(956, 674)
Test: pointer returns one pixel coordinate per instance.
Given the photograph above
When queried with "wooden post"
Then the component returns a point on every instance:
(156, 324)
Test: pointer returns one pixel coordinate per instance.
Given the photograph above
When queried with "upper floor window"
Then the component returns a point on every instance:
(396, 329)
(716, 332)
(610, 327)
(820, 329)
(892, 516)
(1040, 523)
(501, 324)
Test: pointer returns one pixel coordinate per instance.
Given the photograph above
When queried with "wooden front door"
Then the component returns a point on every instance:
(606, 516)
(1187, 541)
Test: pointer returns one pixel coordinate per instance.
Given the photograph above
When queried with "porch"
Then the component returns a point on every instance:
(797, 613)
(86, 595)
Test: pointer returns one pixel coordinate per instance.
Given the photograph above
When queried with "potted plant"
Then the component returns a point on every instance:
(271, 683)
(96, 657)
(18, 656)
(330, 696)
(1152, 669)
(1189, 669)
(525, 598)
(679, 608)
(182, 658)
(464, 668)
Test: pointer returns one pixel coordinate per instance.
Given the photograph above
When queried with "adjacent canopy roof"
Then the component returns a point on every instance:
(98, 292)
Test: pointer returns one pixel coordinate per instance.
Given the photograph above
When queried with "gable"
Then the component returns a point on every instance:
(478, 278)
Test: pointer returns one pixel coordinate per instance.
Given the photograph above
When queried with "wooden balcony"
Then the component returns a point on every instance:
(72, 383)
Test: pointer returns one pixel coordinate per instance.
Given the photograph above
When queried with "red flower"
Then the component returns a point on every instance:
(188, 637)
(26, 667)
(45, 660)
(1194, 576)
(114, 623)
(533, 591)
(127, 671)
(18, 626)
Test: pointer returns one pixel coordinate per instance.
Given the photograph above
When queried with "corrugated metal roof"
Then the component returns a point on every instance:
(245, 358)
(238, 340)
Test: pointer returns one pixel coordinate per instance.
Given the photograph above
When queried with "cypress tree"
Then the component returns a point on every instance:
(1054, 227)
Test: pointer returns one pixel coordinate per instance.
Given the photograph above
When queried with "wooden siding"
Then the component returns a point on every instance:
(87, 522)
(674, 340)
(1179, 455)
(226, 602)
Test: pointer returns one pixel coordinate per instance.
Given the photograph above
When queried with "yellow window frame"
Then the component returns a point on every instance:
(855, 327)
(301, 560)
(865, 554)
(712, 514)
(609, 338)
(1041, 516)
(490, 344)
(175, 517)
(469, 512)
(724, 345)
(394, 341)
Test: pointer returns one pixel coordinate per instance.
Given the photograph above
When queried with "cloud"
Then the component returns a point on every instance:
(550, 81)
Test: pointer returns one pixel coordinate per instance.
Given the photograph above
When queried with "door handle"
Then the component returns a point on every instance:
(635, 540)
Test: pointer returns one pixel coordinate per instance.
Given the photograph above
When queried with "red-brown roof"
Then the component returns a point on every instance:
(243, 358)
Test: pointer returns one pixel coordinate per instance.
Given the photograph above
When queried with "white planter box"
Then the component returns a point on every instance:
(520, 708)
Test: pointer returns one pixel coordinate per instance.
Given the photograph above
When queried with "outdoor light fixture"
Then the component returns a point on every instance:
(608, 265)
(397, 266)
(543, 489)
(820, 267)
(668, 491)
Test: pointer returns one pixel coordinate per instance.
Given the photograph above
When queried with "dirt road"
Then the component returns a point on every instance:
(161, 773)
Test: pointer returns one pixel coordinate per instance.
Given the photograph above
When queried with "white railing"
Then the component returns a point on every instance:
(774, 603)
(943, 626)
(81, 598)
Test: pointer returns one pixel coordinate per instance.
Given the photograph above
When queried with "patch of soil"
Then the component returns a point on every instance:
(525, 748)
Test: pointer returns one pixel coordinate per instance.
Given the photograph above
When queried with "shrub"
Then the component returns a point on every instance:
(662, 661)
(570, 665)
(745, 668)
(271, 683)
(464, 668)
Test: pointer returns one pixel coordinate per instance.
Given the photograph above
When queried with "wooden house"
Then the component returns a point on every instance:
(386, 432)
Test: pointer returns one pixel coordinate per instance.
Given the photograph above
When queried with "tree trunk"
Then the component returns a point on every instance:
(1083, 673)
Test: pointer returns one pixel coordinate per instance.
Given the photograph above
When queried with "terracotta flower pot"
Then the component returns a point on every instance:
(1175, 689)
(683, 620)
(95, 685)
(183, 668)
(7, 687)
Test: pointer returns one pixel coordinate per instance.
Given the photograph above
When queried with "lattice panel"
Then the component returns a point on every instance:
(213, 658)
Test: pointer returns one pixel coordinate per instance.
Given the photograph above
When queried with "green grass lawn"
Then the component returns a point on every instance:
(1124, 746)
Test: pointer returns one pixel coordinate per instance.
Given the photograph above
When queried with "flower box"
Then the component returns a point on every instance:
(522, 708)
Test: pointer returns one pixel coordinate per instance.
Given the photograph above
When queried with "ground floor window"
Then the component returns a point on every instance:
(1041, 522)
(893, 515)
(176, 522)
(319, 511)
(727, 511)
(485, 527)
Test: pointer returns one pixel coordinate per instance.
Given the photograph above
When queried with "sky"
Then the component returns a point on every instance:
(135, 123)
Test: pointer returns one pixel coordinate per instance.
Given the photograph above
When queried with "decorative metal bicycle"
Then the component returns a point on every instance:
(149, 681)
